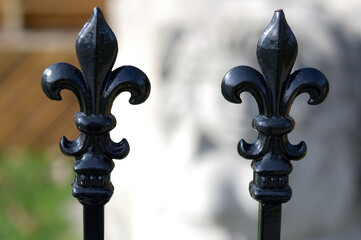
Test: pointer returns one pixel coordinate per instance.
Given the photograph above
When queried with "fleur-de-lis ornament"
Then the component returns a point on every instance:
(95, 86)
(274, 92)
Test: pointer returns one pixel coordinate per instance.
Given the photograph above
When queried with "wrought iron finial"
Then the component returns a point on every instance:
(95, 87)
(274, 91)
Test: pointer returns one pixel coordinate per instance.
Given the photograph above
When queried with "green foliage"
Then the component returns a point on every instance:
(32, 200)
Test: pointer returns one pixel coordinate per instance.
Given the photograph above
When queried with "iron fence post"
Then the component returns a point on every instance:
(274, 91)
(95, 86)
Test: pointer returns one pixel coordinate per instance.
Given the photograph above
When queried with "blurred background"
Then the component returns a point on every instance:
(183, 178)
(35, 195)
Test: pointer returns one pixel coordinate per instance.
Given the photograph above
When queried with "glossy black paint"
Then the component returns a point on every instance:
(269, 221)
(274, 92)
(95, 86)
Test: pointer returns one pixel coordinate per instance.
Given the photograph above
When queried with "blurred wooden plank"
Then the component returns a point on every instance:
(45, 119)
(58, 13)
(11, 14)
(8, 61)
(55, 21)
(71, 7)
(59, 124)
(29, 118)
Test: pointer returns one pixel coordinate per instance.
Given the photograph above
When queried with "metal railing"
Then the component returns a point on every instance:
(96, 86)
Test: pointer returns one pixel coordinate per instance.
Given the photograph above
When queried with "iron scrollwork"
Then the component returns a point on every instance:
(274, 91)
(95, 86)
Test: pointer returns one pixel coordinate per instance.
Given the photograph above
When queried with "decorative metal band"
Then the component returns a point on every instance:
(273, 126)
(280, 195)
(94, 124)
(87, 181)
(271, 182)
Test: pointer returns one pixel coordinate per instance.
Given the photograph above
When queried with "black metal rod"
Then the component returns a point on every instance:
(93, 222)
(274, 90)
(269, 221)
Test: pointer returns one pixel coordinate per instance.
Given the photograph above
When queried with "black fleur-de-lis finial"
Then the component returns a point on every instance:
(274, 91)
(95, 86)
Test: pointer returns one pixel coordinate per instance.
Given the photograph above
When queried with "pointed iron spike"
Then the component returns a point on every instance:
(276, 53)
(96, 48)
(97, 12)
(96, 35)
